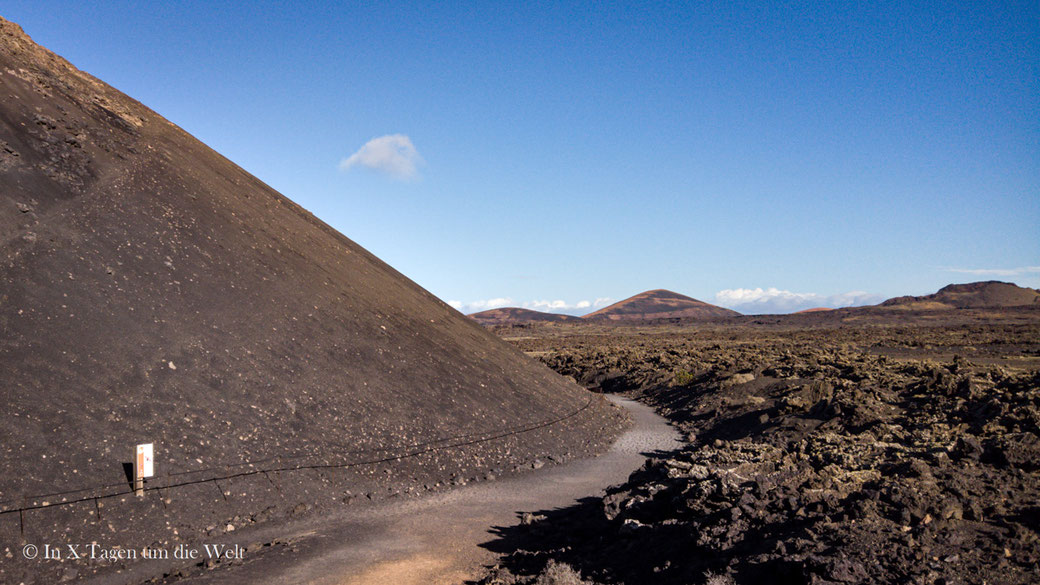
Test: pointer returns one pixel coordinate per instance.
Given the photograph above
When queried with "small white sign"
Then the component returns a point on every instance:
(144, 460)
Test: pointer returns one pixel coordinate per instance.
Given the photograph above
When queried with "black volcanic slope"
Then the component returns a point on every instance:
(660, 304)
(509, 315)
(152, 291)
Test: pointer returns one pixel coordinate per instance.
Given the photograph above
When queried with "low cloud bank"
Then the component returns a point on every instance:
(483, 305)
(759, 301)
(581, 307)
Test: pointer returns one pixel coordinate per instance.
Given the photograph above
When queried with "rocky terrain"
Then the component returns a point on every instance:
(868, 453)
(155, 292)
(659, 304)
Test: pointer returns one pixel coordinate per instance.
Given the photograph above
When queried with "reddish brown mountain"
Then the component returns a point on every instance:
(813, 310)
(511, 315)
(990, 294)
(660, 304)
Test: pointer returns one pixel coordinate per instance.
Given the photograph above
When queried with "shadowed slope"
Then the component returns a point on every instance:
(152, 291)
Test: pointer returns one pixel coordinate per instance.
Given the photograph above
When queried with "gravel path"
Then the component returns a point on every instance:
(437, 539)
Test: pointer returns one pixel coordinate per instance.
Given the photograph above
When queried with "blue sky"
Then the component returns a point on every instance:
(762, 156)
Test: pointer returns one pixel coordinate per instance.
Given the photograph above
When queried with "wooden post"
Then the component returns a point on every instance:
(142, 467)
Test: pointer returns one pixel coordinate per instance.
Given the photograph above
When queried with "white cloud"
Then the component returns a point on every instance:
(773, 300)
(491, 304)
(393, 154)
(997, 271)
(545, 305)
(854, 298)
(482, 305)
(558, 306)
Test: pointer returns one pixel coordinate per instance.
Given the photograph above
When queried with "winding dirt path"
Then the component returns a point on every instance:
(436, 540)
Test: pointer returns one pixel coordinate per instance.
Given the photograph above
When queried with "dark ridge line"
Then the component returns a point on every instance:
(304, 467)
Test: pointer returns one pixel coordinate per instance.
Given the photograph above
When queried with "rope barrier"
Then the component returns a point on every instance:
(425, 447)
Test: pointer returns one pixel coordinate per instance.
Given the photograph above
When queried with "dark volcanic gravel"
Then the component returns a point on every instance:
(152, 291)
(851, 455)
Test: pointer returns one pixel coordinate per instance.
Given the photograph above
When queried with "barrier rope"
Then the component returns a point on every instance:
(420, 448)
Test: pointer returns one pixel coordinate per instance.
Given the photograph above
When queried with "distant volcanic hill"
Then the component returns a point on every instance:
(990, 294)
(660, 304)
(155, 292)
(512, 315)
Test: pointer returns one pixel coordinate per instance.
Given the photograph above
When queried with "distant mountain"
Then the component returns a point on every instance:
(510, 315)
(660, 304)
(974, 295)
(813, 310)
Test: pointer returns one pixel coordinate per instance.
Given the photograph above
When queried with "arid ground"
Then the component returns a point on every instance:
(892, 449)
(155, 292)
